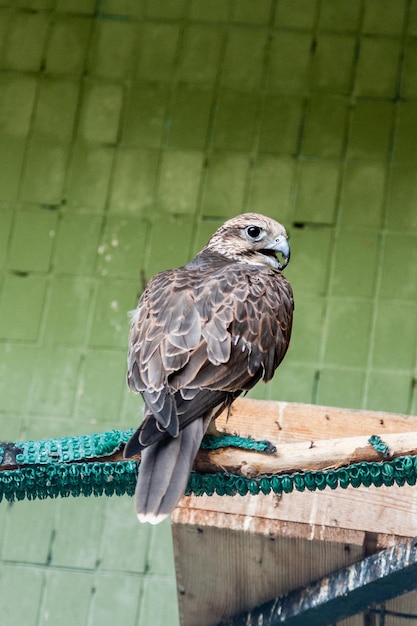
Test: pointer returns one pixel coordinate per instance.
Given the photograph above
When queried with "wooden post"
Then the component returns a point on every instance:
(235, 553)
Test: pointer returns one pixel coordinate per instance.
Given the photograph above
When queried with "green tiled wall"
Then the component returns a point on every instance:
(129, 130)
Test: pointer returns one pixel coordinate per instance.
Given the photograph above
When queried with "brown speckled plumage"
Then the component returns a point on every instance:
(201, 335)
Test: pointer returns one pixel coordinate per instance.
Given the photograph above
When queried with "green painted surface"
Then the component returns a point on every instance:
(145, 115)
(66, 549)
(6, 218)
(44, 173)
(66, 311)
(332, 63)
(135, 174)
(36, 550)
(116, 594)
(17, 291)
(354, 250)
(188, 124)
(370, 130)
(224, 188)
(156, 52)
(179, 182)
(76, 244)
(101, 385)
(55, 110)
(90, 169)
(334, 382)
(271, 186)
(362, 196)
(317, 191)
(25, 41)
(31, 245)
(324, 127)
(280, 124)
(16, 103)
(348, 329)
(68, 596)
(12, 150)
(200, 56)
(127, 136)
(20, 607)
(59, 366)
(67, 45)
(17, 363)
(100, 112)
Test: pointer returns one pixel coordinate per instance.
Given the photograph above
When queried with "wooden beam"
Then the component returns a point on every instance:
(305, 455)
(226, 564)
(289, 422)
(387, 510)
(264, 546)
(289, 457)
(378, 578)
(307, 437)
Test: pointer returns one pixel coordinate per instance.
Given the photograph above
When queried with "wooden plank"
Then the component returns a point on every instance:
(305, 455)
(219, 539)
(272, 527)
(388, 510)
(284, 422)
(325, 519)
(202, 559)
(380, 577)
(222, 569)
(281, 423)
(289, 457)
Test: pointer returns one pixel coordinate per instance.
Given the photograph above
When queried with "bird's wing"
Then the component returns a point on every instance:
(246, 334)
(199, 329)
(165, 330)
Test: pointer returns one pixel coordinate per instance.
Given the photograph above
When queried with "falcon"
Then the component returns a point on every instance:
(201, 335)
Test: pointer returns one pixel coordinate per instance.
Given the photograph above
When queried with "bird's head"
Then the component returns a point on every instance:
(252, 238)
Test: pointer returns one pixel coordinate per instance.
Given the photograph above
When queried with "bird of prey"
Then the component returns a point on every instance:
(200, 336)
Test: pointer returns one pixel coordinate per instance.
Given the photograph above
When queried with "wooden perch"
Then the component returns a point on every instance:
(307, 437)
(289, 457)
(305, 455)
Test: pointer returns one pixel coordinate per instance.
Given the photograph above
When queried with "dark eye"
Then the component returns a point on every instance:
(254, 232)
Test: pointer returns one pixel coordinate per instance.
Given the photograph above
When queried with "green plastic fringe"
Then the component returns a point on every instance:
(60, 467)
(378, 444)
(70, 449)
(213, 442)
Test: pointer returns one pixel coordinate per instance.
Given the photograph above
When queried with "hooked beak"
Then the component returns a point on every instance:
(282, 246)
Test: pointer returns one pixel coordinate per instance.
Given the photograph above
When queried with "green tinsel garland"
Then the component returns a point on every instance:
(60, 467)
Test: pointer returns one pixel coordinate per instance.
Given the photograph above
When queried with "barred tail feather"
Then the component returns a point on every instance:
(164, 472)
